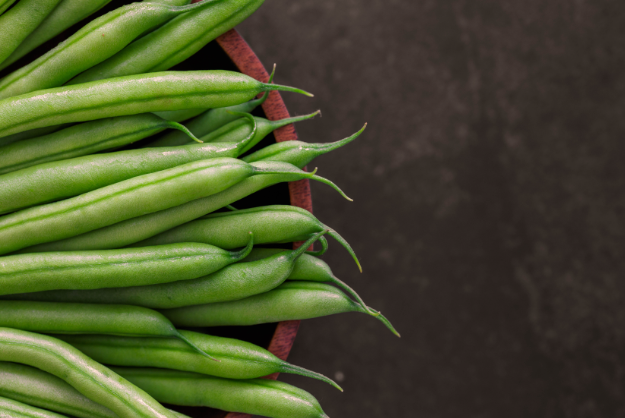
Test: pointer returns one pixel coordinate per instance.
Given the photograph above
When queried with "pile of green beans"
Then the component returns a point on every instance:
(116, 235)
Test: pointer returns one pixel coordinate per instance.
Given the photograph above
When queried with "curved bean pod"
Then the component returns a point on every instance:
(268, 398)
(128, 96)
(289, 301)
(237, 359)
(83, 139)
(36, 387)
(21, 21)
(93, 380)
(173, 43)
(142, 227)
(124, 200)
(233, 282)
(92, 44)
(113, 268)
(22, 410)
(229, 230)
(83, 318)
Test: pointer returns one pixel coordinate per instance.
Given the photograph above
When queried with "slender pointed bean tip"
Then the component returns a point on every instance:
(329, 183)
(230, 207)
(381, 317)
(310, 241)
(291, 368)
(240, 255)
(181, 127)
(322, 251)
(324, 148)
(345, 244)
(195, 347)
(348, 289)
(287, 121)
(279, 87)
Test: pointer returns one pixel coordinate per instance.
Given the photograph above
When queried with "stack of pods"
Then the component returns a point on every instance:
(122, 233)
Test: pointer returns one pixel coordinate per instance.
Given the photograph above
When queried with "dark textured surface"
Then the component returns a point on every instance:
(489, 204)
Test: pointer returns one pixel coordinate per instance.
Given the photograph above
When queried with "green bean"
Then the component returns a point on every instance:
(173, 43)
(290, 301)
(264, 397)
(5, 4)
(93, 380)
(237, 359)
(22, 410)
(33, 133)
(113, 268)
(83, 318)
(142, 227)
(298, 153)
(128, 96)
(21, 21)
(92, 44)
(36, 387)
(83, 139)
(125, 200)
(229, 230)
(236, 281)
(235, 131)
(179, 115)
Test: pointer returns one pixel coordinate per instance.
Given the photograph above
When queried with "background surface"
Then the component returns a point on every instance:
(489, 205)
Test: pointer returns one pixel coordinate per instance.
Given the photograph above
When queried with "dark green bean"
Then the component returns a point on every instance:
(142, 227)
(289, 301)
(125, 200)
(173, 90)
(83, 139)
(113, 268)
(93, 380)
(36, 387)
(229, 230)
(21, 21)
(174, 42)
(18, 409)
(83, 318)
(264, 397)
(92, 44)
(237, 359)
(5, 4)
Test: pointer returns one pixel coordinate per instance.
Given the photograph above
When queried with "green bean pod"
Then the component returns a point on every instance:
(237, 359)
(83, 139)
(35, 387)
(64, 16)
(48, 182)
(21, 21)
(290, 301)
(5, 4)
(92, 44)
(33, 133)
(124, 200)
(83, 318)
(172, 90)
(93, 380)
(17, 409)
(236, 281)
(235, 131)
(298, 153)
(113, 268)
(268, 398)
(174, 42)
(142, 227)
(229, 230)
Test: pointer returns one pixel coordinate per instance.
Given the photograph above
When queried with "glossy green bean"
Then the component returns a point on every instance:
(38, 388)
(290, 301)
(124, 200)
(5, 4)
(93, 380)
(128, 96)
(57, 180)
(142, 227)
(22, 410)
(92, 44)
(21, 21)
(237, 359)
(174, 42)
(33, 133)
(298, 153)
(229, 230)
(236, 281)
(83, 318)
(113, 268)
(268, 398)
(83, 139)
